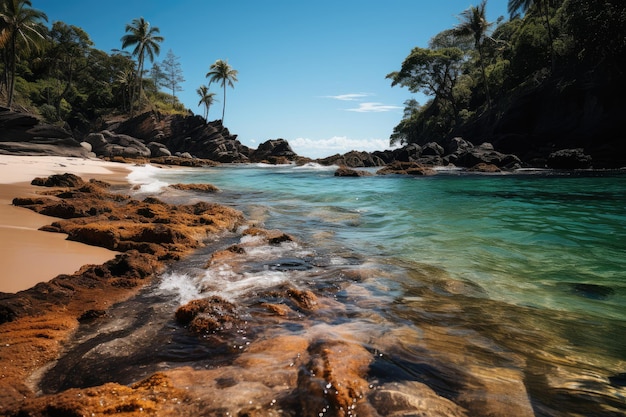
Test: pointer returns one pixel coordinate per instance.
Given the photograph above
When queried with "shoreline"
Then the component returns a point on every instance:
(30, 256)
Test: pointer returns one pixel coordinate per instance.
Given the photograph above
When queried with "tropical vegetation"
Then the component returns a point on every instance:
(479, 76)
(54, 71)
(223, 73)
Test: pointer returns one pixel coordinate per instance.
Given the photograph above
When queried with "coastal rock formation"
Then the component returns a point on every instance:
(274, 151)
(348, 172)
(356, 159)
(406, 168)
(108, 144)
(455, 151)
(184, 134)
(23, 133)
(569, 159)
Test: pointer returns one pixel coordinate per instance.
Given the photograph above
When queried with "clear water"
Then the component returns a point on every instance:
(528, 239)
(505, 294)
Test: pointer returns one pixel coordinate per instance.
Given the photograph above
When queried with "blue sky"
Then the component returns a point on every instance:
(311, 72)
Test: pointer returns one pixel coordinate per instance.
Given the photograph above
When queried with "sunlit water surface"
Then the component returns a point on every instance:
(462, 276)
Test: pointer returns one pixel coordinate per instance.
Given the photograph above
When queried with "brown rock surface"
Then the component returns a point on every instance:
(34, 323)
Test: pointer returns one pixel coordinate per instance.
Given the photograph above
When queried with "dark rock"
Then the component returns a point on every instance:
(59, 180)
(24, 134)
(209, 315)
(457, 145)
(354, 159)
(432, 149)
(185, 134)
(569, 159)
(348, 172)
(485, 154)
(593, 291)
(158, 150)
(273, 150)
(406, 168)
(482, 167)
(409, 153)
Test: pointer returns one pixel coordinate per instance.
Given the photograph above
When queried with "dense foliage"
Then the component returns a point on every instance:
(474, 72)
(55, 71)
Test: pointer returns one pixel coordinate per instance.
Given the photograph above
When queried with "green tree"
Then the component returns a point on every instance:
(20, 29)
(171, 74)
(515, 6)
(207, 98)
(220, 71)
(146, 40)
(473, 23)
(68, 56)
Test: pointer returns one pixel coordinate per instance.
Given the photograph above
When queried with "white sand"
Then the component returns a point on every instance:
(27, 255)
(16, 169)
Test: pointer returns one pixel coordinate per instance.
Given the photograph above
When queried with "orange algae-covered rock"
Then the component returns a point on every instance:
(205, 188)
(208, 315)
(34, 323)
(334, 378)
(273, 237)
(152, 396)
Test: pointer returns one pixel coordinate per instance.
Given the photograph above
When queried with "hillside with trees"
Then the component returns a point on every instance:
(545, 78)
(550, 77)
(53, 71)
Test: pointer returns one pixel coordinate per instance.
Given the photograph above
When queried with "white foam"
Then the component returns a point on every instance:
(314, 166)
(145, 177)
(182, 286)
(226, 283)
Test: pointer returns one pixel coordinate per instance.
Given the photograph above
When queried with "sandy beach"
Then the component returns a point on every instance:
(29, 256)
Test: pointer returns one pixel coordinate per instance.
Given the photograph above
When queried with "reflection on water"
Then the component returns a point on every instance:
(448, 296)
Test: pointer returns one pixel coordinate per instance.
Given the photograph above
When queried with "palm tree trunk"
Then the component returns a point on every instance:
(482, 69)
(224, 106)
(11, 86)
(546, 16)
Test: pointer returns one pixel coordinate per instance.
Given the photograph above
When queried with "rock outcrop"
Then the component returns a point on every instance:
(569, 159)
(23, 133)
(180, 134)
(274, 151)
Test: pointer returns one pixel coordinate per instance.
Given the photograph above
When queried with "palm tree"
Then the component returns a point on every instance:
(473, 23)
(514, 6)
(206, 98)
(146, 41)
(125, 79)
(20, 27)
(222, 72)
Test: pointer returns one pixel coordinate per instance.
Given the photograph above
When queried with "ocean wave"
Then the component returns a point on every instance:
(144, 176)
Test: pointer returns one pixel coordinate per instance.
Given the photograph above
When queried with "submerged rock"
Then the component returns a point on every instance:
(209, 315)
(348, 172)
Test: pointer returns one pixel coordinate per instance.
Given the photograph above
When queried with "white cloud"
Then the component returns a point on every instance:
(320, 148)
(350, 97)
(370, 107)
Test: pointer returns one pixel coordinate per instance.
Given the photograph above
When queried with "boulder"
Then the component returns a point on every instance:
(432, 149)
(158, 150)
(406, 168)
(485, 154)
(409, 153)
(354, 159)
(273, 149)
(23, 133)
(348, 172)
(457, 145)
(569, 159)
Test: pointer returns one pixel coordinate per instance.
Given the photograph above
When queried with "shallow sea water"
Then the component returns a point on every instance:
(506, 291)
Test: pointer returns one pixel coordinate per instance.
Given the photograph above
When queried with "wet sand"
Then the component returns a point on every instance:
(29, 256)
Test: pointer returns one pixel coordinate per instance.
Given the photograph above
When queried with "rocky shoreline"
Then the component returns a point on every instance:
(191, 141)
(325, 369)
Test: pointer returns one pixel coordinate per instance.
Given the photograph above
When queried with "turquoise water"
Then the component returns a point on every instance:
(526, 239)
(495, 291)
